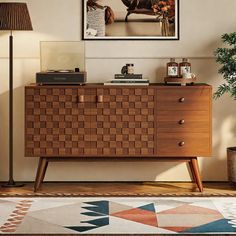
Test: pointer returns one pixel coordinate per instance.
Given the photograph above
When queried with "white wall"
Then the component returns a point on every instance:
(201, 26)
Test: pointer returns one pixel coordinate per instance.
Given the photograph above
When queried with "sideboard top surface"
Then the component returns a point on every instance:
(92, 85)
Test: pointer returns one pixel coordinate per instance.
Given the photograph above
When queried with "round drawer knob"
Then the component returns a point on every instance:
(181, 99)
(181, 144)
(181, 122)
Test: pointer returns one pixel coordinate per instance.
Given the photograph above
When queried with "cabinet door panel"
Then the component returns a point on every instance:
(56, 122)
(123, 122)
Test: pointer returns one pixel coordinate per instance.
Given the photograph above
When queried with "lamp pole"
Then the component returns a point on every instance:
(11, 182)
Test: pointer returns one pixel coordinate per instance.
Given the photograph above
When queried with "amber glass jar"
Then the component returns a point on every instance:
(184, 67)
(172, 68)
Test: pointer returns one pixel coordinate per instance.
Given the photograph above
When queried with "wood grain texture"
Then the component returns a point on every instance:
(194, 144)
(42, 168)
(56, 121)
(99, 189)
(105, 122)
(123, 123)
(190, 99)
(102, 120)
(182, 121)
(196, 173)
(89, 121)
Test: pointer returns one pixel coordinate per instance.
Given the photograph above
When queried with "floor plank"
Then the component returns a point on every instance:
(125, 189)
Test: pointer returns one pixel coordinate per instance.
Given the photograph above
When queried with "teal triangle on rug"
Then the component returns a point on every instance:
(148, 207)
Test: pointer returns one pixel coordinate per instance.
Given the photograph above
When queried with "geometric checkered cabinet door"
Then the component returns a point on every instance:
(122, 122)
(80, 121)
(55, 123)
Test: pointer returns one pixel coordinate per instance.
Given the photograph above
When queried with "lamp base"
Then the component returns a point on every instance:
(12, 184)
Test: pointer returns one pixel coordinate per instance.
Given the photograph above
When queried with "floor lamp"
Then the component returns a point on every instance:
(13, 16)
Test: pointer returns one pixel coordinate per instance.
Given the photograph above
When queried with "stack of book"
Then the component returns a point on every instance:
(129, 79)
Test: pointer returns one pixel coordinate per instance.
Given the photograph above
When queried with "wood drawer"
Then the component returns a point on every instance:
(177, 145)
(183, 121)
(186, 98)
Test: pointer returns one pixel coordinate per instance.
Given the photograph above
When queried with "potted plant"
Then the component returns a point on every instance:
(227, 58)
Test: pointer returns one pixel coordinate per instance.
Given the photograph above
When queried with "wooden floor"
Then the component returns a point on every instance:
(124, 189)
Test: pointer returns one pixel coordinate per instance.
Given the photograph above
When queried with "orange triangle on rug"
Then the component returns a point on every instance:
(176, 229)
(186, 209)
(138, 215)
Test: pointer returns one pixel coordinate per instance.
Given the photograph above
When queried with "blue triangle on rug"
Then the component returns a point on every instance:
(98, 222)
(148, 207)
(98, 206)
(218, 226)
(81, 228)
(90, 213)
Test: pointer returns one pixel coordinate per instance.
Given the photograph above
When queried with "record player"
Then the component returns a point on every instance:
(61, 77)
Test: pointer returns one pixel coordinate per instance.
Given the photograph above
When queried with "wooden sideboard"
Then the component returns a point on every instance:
(118, 123)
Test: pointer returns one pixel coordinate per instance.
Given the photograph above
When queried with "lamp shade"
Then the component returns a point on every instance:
(14, 16)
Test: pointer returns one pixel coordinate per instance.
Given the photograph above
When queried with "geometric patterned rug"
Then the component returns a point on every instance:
(118, 215)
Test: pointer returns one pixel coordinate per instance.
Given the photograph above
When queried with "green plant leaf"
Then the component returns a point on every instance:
(227, 58)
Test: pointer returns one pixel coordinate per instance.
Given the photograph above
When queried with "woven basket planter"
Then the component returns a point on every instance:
(231, 162)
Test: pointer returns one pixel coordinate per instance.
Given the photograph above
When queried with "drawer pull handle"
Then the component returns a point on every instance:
(100, 98)
(181, 144)
(81, 98)
(181, 122)
(181, 99)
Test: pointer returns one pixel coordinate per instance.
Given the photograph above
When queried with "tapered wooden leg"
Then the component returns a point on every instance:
(192, 171)
(44, 172)
(42, 167)
(196, 173)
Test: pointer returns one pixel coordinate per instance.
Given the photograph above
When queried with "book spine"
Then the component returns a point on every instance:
(129, 82)
(128, 76)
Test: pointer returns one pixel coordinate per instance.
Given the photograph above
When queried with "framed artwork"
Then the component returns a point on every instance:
(130, 19)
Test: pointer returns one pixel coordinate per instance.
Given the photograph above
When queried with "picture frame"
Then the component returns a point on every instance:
(130, 20)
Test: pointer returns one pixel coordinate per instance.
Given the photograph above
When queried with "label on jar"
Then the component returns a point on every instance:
(130, 70)
(185, 70)
(172, 70)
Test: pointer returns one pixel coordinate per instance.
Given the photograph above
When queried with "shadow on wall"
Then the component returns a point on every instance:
(224, 127)
(121, 171)
(3, 135)
(224, 124)
(160, 74)
(22, 165)
(212, 44)
(4, 38)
